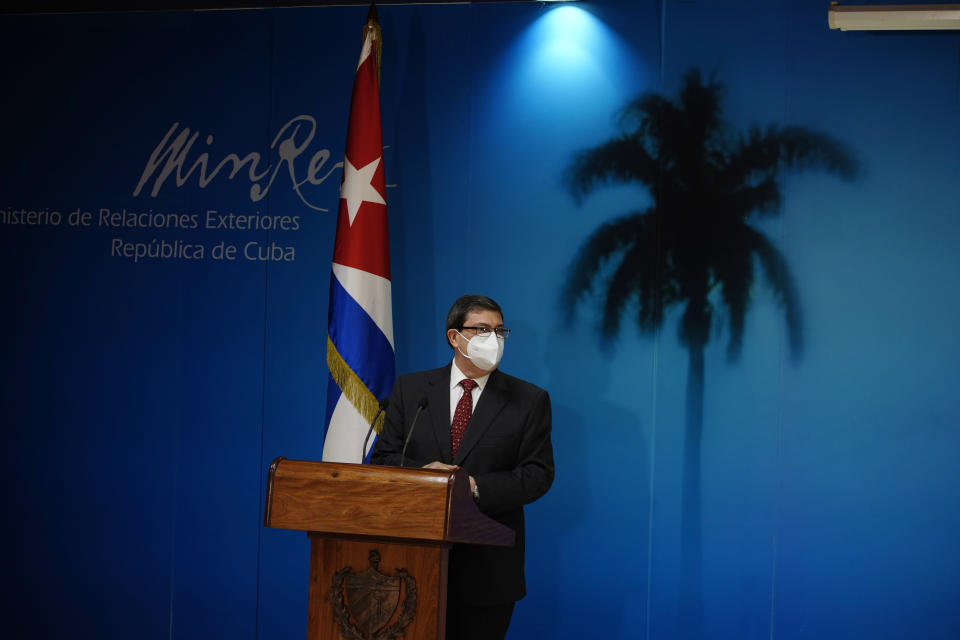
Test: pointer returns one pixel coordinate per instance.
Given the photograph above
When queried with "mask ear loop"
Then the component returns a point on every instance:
(458, 346)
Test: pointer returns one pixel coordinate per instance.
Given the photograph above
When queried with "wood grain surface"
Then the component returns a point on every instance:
(381, 502)
(357, 499)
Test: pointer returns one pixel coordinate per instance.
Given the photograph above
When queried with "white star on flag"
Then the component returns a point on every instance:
(357, 187)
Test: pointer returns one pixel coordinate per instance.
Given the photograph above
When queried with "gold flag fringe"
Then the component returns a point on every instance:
(353, 387)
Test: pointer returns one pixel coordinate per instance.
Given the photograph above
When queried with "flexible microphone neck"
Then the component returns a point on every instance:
(420, 407)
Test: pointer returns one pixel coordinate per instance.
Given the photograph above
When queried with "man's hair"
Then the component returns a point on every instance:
(464, 305)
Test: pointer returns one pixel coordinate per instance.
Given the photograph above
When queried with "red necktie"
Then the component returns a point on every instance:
(461, 416)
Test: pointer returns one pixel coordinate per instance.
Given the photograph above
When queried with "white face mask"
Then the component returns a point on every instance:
(484, 351)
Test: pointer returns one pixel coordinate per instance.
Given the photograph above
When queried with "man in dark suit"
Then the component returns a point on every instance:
(495, 426)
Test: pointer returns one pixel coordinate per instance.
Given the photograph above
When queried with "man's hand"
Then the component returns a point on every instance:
(436, 464)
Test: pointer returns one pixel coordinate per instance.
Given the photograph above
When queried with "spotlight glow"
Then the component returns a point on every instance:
(568, 35)
(555, 88)
(569, 56)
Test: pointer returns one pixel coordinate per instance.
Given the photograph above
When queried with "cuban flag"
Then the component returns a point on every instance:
(360, 329)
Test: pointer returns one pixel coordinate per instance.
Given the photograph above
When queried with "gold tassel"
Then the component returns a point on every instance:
(353, 387)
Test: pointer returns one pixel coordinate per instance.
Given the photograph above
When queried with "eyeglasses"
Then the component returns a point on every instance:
(502, 332)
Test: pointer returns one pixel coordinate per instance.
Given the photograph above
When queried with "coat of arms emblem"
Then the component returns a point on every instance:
(364, 603)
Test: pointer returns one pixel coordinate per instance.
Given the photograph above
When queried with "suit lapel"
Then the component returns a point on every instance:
(491, 402)
(438, 394)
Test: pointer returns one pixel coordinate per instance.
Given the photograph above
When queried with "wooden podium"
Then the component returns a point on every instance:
(380, 538)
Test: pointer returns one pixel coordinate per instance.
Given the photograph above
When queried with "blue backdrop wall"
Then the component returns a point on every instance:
(153, 367)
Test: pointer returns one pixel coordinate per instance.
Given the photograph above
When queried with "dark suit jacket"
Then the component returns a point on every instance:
(506, 448)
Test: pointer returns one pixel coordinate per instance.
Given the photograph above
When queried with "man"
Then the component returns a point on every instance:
(495, 426)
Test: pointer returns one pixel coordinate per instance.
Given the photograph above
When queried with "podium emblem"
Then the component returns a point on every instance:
(363, 603)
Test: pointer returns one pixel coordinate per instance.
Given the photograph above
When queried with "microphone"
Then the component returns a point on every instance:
(383, 407)
(420, 407)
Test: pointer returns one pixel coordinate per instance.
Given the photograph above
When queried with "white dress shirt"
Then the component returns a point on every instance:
(456, 391)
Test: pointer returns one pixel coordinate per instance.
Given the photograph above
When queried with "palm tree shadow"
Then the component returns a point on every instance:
(694, 248)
